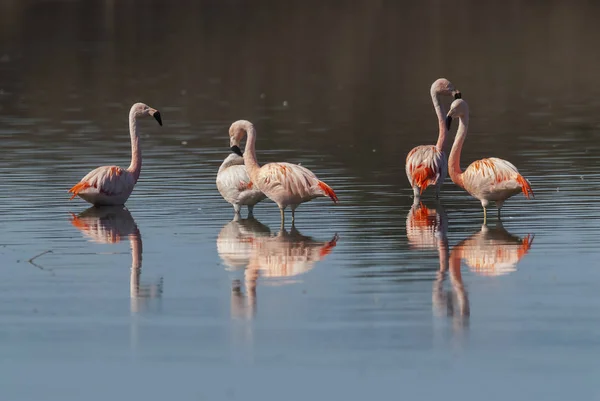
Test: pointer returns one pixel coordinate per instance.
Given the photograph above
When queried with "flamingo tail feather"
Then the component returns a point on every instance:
(78, 188)
(328, 191)
(525, 187)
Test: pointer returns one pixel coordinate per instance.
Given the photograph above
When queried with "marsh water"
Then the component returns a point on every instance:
(373, 298)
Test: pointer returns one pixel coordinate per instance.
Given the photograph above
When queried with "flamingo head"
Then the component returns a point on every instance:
(444, 87)
(458, 108)
(237, 131)
(142, 110)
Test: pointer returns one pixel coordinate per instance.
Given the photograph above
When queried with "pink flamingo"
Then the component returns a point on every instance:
(112, 185)
(235, 186)
(284, 183)
(427, 164)
(490, 179)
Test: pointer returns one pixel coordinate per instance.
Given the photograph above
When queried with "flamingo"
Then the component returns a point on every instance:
(235, 186)
(427, 164)
(284, 183)
(112, 185)
(489, 179)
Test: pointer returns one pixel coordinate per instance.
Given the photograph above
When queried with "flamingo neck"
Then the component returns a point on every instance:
(136, 153)
(454, 159)
(250, 161)
(441, 115)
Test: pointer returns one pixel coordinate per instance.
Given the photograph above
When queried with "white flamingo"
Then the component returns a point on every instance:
(489, 180)
(284, 183)
(235, 186)
(112, 185)
(427, 164)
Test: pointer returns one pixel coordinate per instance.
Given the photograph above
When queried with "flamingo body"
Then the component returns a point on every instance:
(235, 186)
(290, 184)
(490, 179)
(427, 165)
(284, 183)
(112, 185)
(494, 179)
(105, 186)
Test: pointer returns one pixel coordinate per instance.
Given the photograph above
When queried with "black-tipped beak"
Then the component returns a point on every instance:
(236, 149)
(457, 95)
(448, 122)
(157, 116)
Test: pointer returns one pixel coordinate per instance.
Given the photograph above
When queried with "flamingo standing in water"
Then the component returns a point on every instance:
(427, 164)
(112, 185)
(284, 183)
(235, 186)
(490, 179)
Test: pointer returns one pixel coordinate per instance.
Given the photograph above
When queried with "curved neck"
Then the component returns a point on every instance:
(454, 160)
(250, 161)
(441, 115)
(136, 153)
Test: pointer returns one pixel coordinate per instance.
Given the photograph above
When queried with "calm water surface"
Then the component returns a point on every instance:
(373, 298)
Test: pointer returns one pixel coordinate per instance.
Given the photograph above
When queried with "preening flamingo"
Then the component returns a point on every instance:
(284, 183)
(427, 164)
(490, 179)
(235, 186)
(112, 185)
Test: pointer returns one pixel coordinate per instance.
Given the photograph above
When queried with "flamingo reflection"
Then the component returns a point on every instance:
(278, 258)
(108, 225)
(427, 229)
(493, 251)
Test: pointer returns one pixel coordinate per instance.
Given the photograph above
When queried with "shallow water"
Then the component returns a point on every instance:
(367, 299)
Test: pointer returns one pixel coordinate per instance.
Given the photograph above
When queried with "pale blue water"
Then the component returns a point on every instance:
(171, 299)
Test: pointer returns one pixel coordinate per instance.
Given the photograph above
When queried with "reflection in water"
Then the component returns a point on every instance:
(249, 243)
(493, 251)
(427, 229)
(108, 225)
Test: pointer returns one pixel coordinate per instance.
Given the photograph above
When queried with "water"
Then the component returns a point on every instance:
(367, 299)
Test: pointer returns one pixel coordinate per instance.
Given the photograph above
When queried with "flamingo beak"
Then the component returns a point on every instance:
(236, 149)
(156, 115)
(448, 122)
(457, 94)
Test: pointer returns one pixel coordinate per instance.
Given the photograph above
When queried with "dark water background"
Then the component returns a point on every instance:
(368, 299)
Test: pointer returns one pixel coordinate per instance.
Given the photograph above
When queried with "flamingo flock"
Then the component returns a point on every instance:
(242, 181)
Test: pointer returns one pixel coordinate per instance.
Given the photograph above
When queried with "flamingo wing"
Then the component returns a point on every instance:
(425, 165)
(492, 176)
(106, 180)
(295, 181)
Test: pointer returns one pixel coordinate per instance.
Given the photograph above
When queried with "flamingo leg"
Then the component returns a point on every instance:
(282, 216)
(416, 192)
(293, 216)
(237, 209)
(484, 215)
(250, 211)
